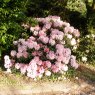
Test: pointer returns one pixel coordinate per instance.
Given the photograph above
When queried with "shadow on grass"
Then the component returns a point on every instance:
(86, 73)
(88, 76)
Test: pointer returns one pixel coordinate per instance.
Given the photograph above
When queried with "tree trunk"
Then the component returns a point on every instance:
(93, 5)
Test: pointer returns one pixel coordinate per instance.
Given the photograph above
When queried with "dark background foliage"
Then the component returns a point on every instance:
(79, 13)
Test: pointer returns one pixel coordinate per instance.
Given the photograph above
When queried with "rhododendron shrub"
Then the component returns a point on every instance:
(47, 50)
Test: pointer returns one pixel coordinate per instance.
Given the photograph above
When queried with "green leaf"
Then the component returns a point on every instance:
(3, 39)
(6, 1)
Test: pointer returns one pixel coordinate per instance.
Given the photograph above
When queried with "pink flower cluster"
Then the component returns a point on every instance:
(44, 52)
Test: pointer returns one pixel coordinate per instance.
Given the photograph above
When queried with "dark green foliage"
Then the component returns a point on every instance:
(79, 13)
(12, 15)
(43, 8)
(87, 48)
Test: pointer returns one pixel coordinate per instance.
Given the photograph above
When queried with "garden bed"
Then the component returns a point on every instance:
(82, 84)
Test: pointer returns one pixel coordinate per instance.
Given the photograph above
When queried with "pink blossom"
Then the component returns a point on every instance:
(41, 45)
(32, 74)
(61, 23)
(17, 65)
(44, 39)
(21, 41)
(73, 42)
(29, 69)
(71, 29)
(24, 48)
(46, 49)
(73, 62)
(58, 64)
(8, 65)
(30, 45)
(66, 60)
(68, 29)
(13, 61)
(41, 70)
(64, 67)
(59, 49)
(59, 46)
(66, 24)
(15, 42)
(25, 54)
(54, 18)
(35, 33)
(54, 31)
(60, 35)
(6, 58)
(36, 59)
(44, 30)
(19, 54)
(53, 36)
(37, 47)
(51, 55)
(13, 53)
(34, 43)
(76, 33)
(59, 58)
(33, 64)
(48, 64)
(32, 28)
(34, 53)
(39, 62)
(42, 33)
(23, 69)
(39, 53)
(20, 49)
(67, 52)
(69, 36)
(44, 64)
(48, 25)
(47, 73)
(7, 62)
(32, 38)
(37, 28)
(52, 42)
(54, 69)
(56, 24)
